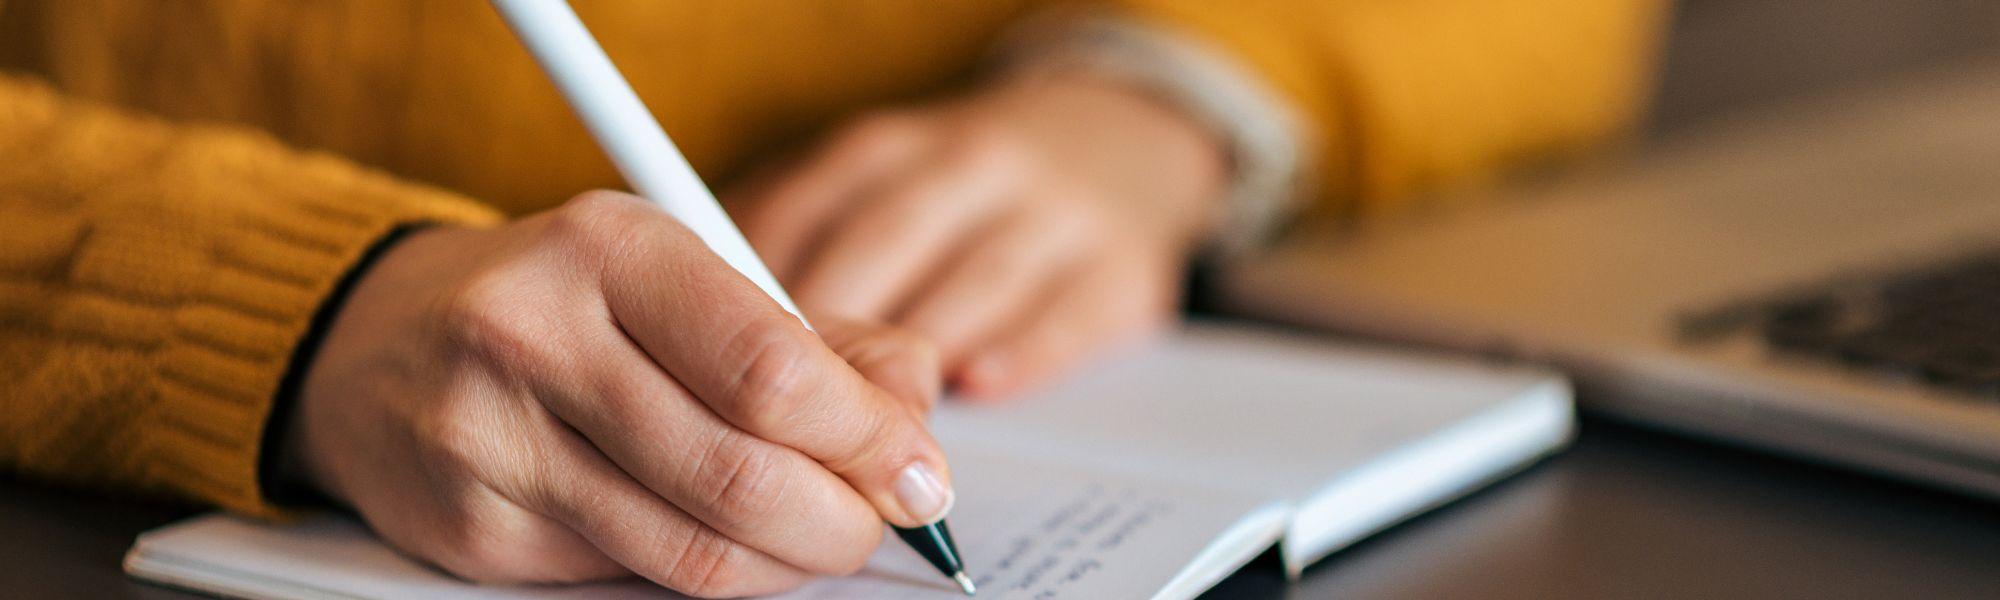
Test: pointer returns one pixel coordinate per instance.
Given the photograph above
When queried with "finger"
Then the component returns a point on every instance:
(468, 525)
(993, 279)
(902, 364)
(759, 368)
(869, 258)
(782, 217)
(787, 387)
(491, 540)
(650, 536)
(1091, 310)
(768, 497)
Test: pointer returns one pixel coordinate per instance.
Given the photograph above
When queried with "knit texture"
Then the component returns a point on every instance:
(153, 283)
(1411, 100)
(1406, 98)
(155, 275)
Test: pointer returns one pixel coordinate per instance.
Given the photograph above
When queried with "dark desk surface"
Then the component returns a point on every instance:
(1627, 513)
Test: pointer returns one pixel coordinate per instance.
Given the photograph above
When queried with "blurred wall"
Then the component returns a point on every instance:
(1730, 53)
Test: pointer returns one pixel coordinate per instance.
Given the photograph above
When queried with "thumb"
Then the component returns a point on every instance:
(901, 363)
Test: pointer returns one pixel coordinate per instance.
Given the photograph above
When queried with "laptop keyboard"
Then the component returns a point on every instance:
(1940, 324)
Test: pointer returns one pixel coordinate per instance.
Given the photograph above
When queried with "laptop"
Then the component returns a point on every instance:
(1819, 278)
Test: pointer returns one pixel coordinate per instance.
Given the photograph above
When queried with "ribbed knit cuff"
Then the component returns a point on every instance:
(155, 282)
(272, 262)
(282, 485)
(1267, 147)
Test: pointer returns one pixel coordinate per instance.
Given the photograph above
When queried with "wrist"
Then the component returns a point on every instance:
(1265, 142)
(286, 471)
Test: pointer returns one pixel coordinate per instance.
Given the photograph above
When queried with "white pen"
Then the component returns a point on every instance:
(657, 171)
(629, 134)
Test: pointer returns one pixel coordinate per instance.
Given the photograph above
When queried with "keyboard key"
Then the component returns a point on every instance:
(1939, 325)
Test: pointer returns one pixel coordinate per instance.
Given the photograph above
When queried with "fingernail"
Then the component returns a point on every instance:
(924, 496)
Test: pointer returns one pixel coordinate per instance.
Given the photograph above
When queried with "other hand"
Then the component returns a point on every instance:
(1020, 228)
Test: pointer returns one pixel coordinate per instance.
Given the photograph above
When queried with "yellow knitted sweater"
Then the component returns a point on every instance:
(166, 243)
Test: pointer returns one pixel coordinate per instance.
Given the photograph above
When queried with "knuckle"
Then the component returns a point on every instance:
(881, 132)
(1065, 209)
(1153, 306)
(849, 557)
(908, 357)
(597, 220)
(599, 204)
(708, 566)
(985, 144)
(898, 212)
(484, 317)
(454, 444)
(1066, 202)
(896, 217)
(884, 438)
(743, 481)
(627, 401)
(912, 351)
(1078, 230)
(774, 370)
(475, 546)
(1008, 266)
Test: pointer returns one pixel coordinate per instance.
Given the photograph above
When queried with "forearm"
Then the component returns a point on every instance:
(155, 282)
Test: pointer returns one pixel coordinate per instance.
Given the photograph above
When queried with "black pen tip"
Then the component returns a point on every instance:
(934, 543)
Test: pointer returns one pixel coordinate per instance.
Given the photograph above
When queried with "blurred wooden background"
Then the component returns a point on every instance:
(1726, 54)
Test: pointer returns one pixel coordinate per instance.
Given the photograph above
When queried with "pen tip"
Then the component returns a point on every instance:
(964, 583)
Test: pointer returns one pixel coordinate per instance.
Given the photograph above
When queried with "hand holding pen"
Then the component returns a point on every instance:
(595, 391)
(915, 498)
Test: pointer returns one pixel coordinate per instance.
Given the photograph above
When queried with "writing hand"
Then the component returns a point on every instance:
(590, 392)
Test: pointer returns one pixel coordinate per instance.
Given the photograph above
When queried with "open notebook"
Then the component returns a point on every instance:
(1154, 475)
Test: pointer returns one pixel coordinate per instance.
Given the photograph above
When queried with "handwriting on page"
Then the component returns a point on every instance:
(1030, 544)
(1035, 528)
(1068, 544)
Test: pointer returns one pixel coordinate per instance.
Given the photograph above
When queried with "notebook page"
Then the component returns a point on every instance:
(1055, 530)
(1027, 529)
(1354, 439)
(1272, 414)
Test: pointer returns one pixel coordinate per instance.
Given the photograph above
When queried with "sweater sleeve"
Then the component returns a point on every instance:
(154, 280)
(1407, 97)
